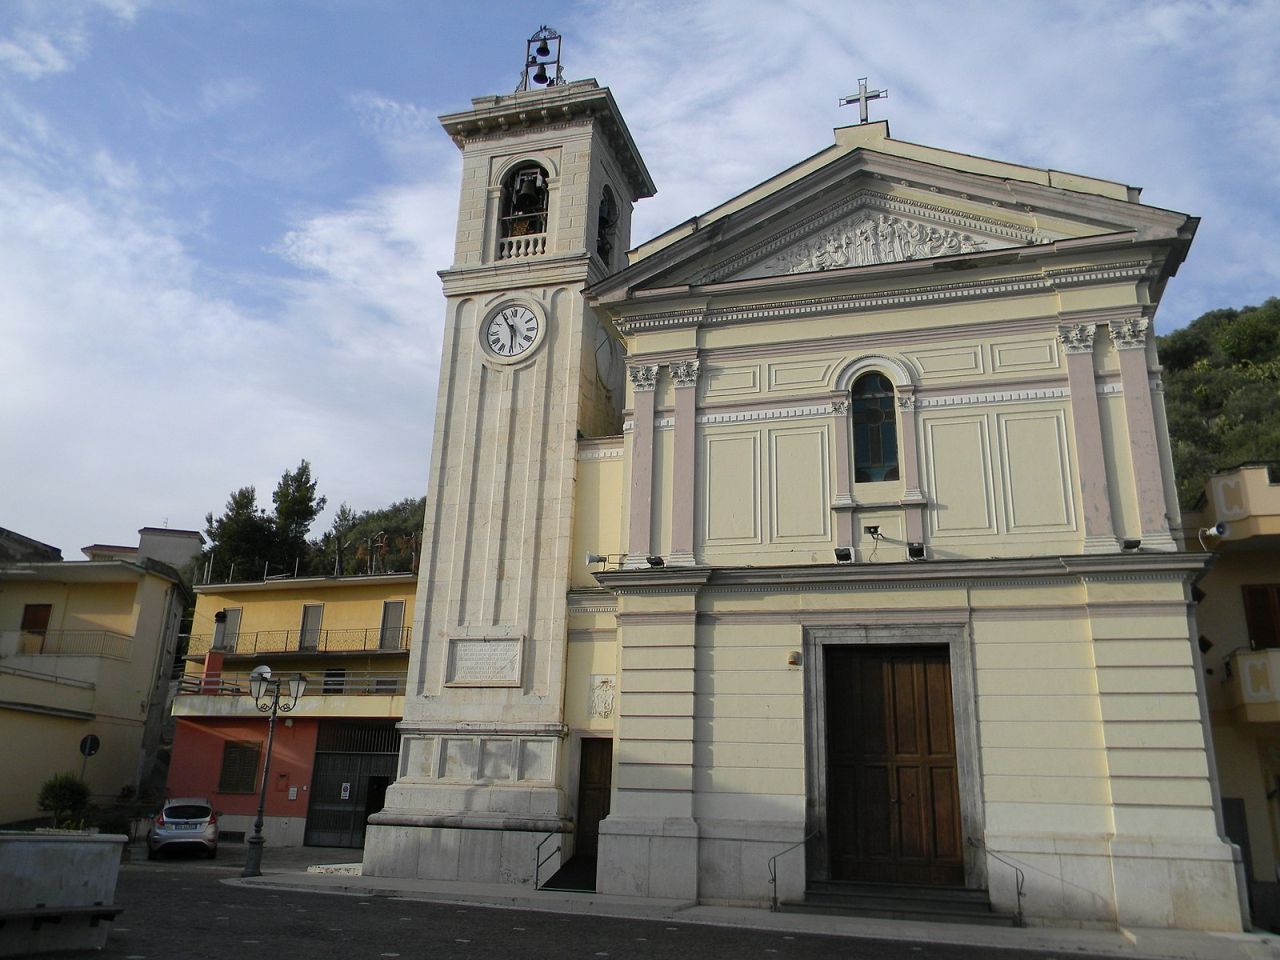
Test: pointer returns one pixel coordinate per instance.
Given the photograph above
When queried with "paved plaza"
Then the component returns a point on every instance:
(184, 908)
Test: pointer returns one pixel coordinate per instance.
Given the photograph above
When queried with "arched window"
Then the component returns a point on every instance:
(873, 409)
(606, 224)
(524, 202)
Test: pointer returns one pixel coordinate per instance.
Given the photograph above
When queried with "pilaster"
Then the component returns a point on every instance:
(684, 375)
(1130, 339)
(1099, 531)
(644, 383)
(649, 841)
(843, 501)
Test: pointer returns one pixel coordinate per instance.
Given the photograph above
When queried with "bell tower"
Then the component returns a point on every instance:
(549, 177)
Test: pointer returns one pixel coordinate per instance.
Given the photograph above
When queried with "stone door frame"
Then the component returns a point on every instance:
(955, 637)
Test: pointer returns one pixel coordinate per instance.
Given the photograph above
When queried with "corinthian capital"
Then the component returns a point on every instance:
(1129, 334)
(1077, 337)
(684, 373)
(643, 376)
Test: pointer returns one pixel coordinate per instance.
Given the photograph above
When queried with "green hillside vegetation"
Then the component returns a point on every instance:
(248, 543)
(1222, 393)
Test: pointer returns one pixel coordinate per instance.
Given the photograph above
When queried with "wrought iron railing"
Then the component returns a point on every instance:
(352, 640)
(73, 643)
(346, 683)
(1019, 879)
(540, 861)
(773, 869)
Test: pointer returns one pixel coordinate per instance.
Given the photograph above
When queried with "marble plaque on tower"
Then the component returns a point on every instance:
(484, 662)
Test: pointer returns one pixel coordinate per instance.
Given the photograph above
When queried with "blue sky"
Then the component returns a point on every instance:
(220, 220)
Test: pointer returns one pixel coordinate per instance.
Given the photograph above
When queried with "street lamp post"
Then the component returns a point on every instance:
(266, 692)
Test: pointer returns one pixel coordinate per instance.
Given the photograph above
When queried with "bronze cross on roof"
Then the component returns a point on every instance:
(862, 97)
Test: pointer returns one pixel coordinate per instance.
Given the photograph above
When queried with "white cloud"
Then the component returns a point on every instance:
(49, 38)
(35, 54)
(227, 93)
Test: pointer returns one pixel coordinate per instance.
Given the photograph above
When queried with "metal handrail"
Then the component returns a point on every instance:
(74, 643)
(349, 640)
(1019, 879)
(540, 860)
(773, 868)
(331, 683)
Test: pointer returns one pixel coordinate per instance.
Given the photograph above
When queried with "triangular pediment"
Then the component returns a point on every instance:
(866, 228)
(863, 208)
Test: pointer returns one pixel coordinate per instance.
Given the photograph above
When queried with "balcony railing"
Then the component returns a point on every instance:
(344, 683)
(528, 245)
(66, 643)
(354, 640)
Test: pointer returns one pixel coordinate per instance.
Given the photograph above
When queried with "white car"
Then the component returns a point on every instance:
(184, 822)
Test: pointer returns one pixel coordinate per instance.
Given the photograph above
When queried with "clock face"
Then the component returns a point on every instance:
(511, 332)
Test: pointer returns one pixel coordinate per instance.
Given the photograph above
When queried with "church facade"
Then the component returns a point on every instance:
(825, 536)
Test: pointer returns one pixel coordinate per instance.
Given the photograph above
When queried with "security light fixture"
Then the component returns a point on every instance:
(656, 561)
(1217, 531)
(844, 555)
(915, 551)
(1130, 544)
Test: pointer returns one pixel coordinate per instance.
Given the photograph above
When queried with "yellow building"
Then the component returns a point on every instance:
(1239, 619)
(334, 753)
(86, 649)
(872, 467)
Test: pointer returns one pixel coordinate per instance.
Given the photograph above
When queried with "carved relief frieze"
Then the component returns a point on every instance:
(643, 376)
(684, 373)
(1129, 334)
(840, 407)
(873, 228)
(906, 401)
(1077, 337)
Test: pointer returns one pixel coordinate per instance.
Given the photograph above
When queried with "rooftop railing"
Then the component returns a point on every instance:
(258, 642)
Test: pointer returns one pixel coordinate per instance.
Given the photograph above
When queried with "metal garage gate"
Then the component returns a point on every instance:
(355, 763)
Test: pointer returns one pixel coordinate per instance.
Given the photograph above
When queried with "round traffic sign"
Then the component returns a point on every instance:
(89, 744)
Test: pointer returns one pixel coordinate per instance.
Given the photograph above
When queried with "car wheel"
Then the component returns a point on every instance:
(152, 853)
(211, 853)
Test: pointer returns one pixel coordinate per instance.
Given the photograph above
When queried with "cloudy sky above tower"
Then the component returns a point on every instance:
(221, 220)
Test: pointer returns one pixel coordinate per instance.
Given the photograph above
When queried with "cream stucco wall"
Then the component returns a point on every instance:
(112, 683)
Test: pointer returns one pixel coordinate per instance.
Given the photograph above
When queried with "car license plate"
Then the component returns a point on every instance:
(187, 826)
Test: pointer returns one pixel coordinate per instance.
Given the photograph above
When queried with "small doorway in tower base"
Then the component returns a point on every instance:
(595, 780)
(893, 804)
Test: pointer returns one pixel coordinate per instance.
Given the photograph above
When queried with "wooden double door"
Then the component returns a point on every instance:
(893, 807)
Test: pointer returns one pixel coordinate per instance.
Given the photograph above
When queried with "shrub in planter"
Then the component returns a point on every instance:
(66, 796)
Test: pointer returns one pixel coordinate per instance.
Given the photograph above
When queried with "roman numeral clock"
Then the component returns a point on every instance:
(511, 332)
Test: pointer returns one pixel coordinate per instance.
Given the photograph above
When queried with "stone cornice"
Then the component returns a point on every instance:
(1013, 571)
(559, 107)
(654, 580)
(1047, 282)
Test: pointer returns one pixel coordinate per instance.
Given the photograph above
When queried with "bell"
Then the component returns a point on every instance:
(543, 50)
(541, 75)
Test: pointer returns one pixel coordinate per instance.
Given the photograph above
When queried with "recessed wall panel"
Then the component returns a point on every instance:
(732, 493)
(1037, 476)
(960, 476)
(798, 481)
